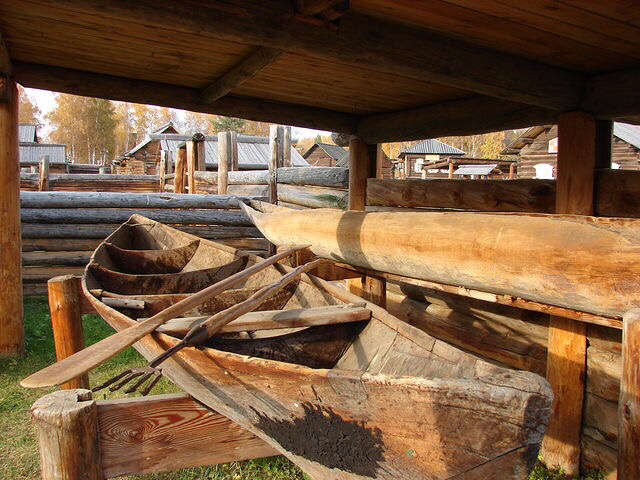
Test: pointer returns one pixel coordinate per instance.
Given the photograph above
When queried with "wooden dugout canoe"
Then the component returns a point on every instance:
(375, 398)
(591, 264)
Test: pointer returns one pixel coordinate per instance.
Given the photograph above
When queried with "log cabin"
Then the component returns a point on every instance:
(537, 150)
(381, 72)
(432, 151)
(325, 155)
(31, 150)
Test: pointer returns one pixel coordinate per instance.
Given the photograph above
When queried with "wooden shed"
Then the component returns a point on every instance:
(415, 158)
(324, 155)
(537, 150)
(383, 72)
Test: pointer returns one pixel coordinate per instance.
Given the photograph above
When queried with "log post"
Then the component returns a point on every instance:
(286, 147)
(11, 327)
(66, 319)
(629, 402)
(274, 150)
(67, 426)
(511, 171)
(566, 361)
(450, 168)
(43, 180)
(179, 179)
(224, 158)
(192, 164)
(201, 156)
(162, 169)
(233, 166)
(407, 167)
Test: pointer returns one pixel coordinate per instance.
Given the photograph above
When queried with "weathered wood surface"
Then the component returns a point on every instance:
(617, 193)
(524, 195)
(359, 172)
(224, 159)
(168, 432)
(313, 197)
(180, 179)
(120, 215)
(332, 177)
(55, 245)
(151, 261)
(127, 200)
(240, 177)
(66, 320)
(629, 404)
(68, 258)
(100, 230)
(67, 425)
(11, 328)
(43, 274)
(490, 252)
(43, 181)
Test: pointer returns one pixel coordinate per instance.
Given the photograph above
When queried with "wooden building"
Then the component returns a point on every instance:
(537, 150)
(325, 155)
(432, 151)
(386, 72)
(31, 150)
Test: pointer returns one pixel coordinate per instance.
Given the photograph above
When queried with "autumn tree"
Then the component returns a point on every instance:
(124, 126)
(194, 122)
(146, 118)
(28, 110)
(227, 124)
(86, 125)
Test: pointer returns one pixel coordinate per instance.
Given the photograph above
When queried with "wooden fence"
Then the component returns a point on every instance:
(60, 230)
(88, 182)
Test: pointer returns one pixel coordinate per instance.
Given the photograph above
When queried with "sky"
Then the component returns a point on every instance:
(46, 102)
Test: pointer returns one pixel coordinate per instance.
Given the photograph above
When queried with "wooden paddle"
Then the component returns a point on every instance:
(92, 356)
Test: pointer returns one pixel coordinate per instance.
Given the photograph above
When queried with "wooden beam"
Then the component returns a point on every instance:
(199, 436)
(11, 327)
(458, 117)
(6, 68)
(359, 172)
(246, 69)
(629, 402)
(363, 41)
(91, 84)
(612, 95)
(224, 159)
(314, 7)
(567, 349)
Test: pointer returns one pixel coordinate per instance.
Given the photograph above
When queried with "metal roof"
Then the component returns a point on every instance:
(334, 151)
(431, 147)
(475, 169)
(30, 153)
(28, 132)
(628, 133)
(253, 151)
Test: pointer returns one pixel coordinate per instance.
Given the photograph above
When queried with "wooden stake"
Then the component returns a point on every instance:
(286, 142)
(179, 180)
(66, 319)
(450, 168)
(201, 156)
(358, 173)
(11, 328)
(224, 154)
(162, 169)
(43, 183)
(234, 152)
(273, 163)
(566, 361)
(629, 403)
(67, 426)
(192, 162)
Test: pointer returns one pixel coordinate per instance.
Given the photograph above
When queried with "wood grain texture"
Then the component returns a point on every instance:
(181, 171)
(67, 425)
(224, 160)
(358, 173)
(11, 328)
(629, 403)
(168, 432)
(66, 320)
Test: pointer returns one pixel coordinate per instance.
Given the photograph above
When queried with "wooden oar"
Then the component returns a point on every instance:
(92, 356)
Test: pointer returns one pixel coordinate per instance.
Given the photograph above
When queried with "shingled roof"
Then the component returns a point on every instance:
(431, 147)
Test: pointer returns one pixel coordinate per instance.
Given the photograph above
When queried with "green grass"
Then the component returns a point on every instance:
(18, 446)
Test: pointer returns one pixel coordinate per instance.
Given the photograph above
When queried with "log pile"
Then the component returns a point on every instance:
(60, 230)
(82, 182)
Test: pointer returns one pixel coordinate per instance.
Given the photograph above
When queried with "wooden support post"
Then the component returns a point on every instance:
(11, 328)
(234, 152)
(192, 164)
(286, 147)
(450, 168)
(43, 180)
(162, 169)
(407, 167)
(224, 158)
(629, 402)
(65, 305)
(201, 156)
(566, 360)
(179, 180)
(67, 426)
(274, 149)
(511, 171)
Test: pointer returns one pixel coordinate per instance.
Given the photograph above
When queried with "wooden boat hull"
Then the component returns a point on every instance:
(583, 263)
(376, 414)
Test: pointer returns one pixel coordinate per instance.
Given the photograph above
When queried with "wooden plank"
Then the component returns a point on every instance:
(358, 173)
(224, 159)
(179, 184)
(66, 420)
(43, 183)
(108, 215)
(49, 245)
(128, 200)
(66, 320)
(43, 274)
(313, 197)
(629, 403)
(567, 349)
(244, 70)
(522, 195)
(365, 41)
(67, 258)
(134, 435)
(11, 328)
(91, 84)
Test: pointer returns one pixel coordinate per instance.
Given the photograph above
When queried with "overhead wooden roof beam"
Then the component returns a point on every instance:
(6, 68)
(460, 117)
(78, 82)
(613, 95)
(314, 7)
(240, 73)
(375, 44)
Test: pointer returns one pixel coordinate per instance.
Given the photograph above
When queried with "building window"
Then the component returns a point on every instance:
(615, 166)
(553, 145)
(543, 170)
(417, 167)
